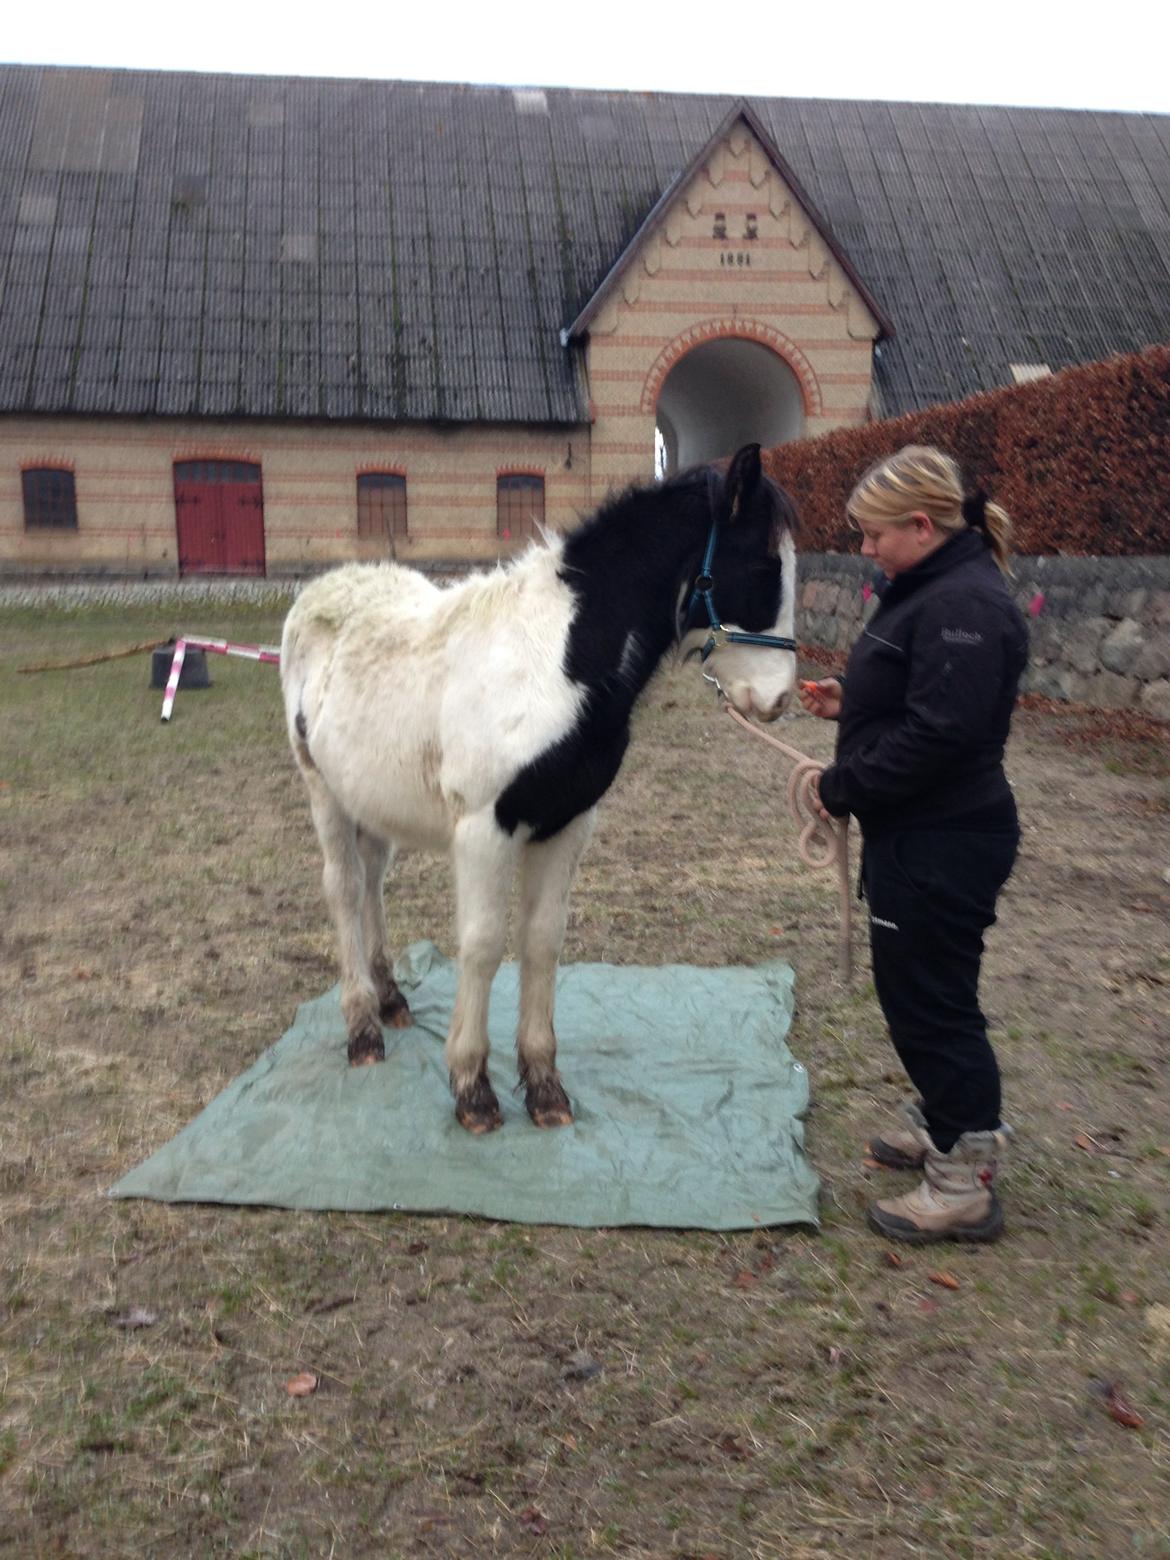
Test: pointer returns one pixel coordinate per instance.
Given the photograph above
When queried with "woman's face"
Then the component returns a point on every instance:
(898, 545)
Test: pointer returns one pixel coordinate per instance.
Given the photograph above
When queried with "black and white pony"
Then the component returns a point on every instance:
(488, 718)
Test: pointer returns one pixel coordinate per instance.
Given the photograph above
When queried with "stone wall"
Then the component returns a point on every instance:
(1100, 627)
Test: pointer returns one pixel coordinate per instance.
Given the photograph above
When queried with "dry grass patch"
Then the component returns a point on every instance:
(498, 1389)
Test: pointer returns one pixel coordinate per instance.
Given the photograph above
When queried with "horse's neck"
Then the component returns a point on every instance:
(627, 568)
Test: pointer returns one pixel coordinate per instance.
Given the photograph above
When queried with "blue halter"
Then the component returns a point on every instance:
(705, 589)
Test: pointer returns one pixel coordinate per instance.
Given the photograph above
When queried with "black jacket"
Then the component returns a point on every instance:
(929, 692)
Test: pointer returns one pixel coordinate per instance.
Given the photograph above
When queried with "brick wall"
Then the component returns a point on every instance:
(679, 290)
(123, 473)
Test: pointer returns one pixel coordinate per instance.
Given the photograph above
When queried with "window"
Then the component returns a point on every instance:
(381, 504)
(1025, 373)
(519, 506)
(49, 499)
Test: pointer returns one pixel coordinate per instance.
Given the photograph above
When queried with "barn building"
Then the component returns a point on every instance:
(257, 325)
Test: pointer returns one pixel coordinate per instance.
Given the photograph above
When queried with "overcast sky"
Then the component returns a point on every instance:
(1024, 52)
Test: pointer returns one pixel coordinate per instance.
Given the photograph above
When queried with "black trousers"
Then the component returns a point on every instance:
(932, 894)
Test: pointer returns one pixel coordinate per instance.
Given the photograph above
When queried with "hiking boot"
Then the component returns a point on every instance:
(902, 1148)
(955, 1200)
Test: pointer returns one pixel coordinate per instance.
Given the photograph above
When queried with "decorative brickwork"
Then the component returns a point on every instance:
(730, 329)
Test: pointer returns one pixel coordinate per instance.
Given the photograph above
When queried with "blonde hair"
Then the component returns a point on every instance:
(922, 480)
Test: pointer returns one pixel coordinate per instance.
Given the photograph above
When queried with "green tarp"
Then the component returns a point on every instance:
(687, 1100)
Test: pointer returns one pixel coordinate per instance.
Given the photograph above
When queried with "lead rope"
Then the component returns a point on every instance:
(821, 844)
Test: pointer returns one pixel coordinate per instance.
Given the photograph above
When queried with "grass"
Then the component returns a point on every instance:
(766, 1393)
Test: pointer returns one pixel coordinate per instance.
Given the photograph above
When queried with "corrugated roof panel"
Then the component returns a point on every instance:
(343, 174)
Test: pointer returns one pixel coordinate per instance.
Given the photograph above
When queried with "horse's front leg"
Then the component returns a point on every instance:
(393, 1008)
(546, 876)
(485, 859)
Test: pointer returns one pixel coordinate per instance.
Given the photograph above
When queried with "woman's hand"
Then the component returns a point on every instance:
(822, 698)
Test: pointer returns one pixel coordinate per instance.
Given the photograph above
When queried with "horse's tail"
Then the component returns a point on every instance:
(296, 663)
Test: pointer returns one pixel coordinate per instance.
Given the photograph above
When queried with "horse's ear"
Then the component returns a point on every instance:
(743, 477)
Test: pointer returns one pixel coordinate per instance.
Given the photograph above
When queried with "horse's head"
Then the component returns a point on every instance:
(751, 571)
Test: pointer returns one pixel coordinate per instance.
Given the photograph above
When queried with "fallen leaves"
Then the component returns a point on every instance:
(1117, 1405)
(533, 1520)
(938, 1276)
(1101, 1142)
(734, 1446)
(303, 1385)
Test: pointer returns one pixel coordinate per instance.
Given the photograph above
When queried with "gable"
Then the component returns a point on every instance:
(738, 192)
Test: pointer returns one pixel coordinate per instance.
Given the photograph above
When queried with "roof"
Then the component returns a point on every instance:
(184, 244)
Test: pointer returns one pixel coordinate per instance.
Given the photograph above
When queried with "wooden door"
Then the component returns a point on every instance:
(219, 517)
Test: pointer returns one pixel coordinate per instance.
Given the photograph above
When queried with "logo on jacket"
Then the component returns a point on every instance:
(962, 636)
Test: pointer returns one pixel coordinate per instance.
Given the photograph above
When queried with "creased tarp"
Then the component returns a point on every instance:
(687, 1104)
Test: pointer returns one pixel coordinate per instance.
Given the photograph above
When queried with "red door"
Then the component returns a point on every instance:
(219, 517)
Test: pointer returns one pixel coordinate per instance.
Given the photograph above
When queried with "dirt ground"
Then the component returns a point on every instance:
(491, 1389)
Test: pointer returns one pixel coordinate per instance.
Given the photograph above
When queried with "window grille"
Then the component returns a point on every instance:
(519, 506)
(50, 499)
(381, 502)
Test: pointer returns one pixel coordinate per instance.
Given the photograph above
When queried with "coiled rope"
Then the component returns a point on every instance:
(821, 844)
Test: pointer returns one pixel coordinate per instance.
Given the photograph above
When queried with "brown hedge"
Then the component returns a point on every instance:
(1081, 460)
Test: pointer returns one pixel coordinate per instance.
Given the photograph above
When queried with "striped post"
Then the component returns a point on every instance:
(269, 654)
(173, 680)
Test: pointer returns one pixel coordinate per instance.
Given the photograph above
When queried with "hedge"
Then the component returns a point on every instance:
(1080, 460)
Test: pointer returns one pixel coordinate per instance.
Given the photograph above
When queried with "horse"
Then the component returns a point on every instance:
(487, 718)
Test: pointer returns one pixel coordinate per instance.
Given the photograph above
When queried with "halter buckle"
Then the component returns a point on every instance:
(716, 640)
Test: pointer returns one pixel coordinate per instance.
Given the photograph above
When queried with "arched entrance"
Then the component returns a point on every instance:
(724, 393)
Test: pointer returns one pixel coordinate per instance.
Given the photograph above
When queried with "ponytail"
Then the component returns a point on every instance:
(982, 515)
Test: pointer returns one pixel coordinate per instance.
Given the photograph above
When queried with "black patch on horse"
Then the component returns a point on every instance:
(627, 566)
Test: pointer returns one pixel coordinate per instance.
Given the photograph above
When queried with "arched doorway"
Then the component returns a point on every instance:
(724, 393)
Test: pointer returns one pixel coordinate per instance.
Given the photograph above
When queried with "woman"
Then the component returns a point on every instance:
(924, 709)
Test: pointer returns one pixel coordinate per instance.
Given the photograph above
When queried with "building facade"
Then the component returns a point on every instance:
(258, 326)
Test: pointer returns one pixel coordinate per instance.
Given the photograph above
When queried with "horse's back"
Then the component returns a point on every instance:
(410, 699)
(357, 595)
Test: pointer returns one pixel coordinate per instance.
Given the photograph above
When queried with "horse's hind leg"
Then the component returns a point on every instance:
(484, 862)
(344, 882)
(392, 1005)
(547, 872)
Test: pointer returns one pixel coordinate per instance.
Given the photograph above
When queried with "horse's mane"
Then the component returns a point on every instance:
(694, 479)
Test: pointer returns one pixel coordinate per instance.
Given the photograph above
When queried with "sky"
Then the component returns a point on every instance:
(1026, 52)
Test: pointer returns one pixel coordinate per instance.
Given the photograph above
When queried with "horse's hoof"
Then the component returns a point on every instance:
(476, 1108)
(395, 1012)
(548, 1104)
(479, 1124)
(366, 1047)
